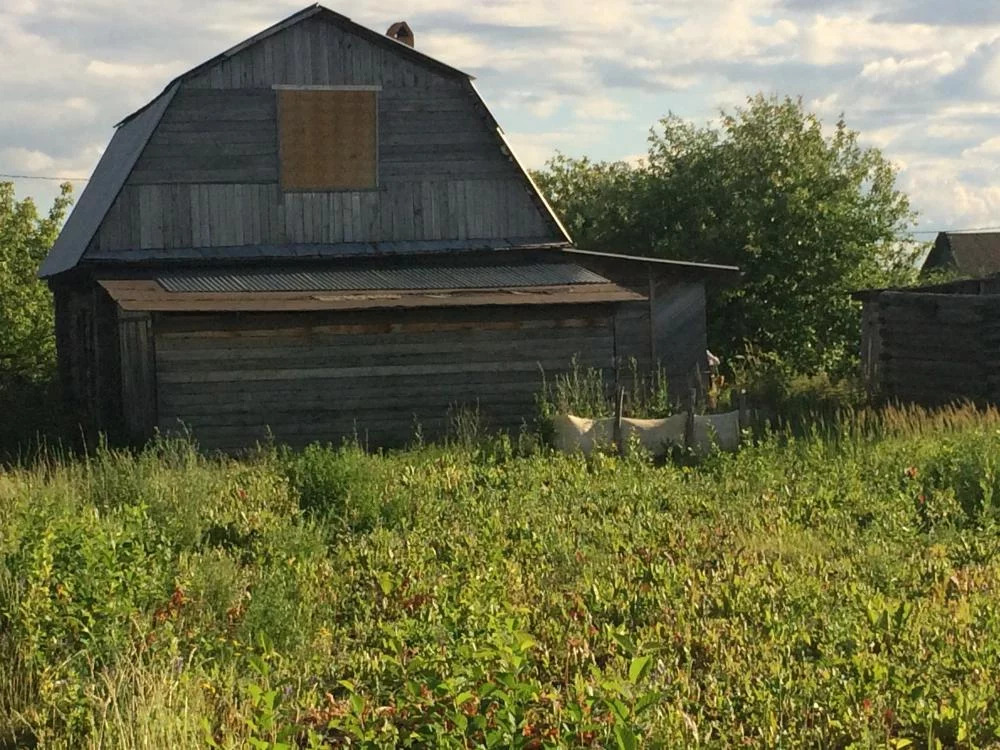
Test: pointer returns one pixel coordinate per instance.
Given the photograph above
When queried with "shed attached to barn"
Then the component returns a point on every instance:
(322, 232)
(934, 344)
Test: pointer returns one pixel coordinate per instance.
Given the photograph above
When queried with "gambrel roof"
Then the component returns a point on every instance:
(135, 131)
(107, 180)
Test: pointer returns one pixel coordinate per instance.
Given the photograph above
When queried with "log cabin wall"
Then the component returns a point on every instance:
(210, 174)
(931, 347)
(232, 380)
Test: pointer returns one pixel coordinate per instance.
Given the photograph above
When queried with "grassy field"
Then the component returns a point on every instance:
(833, 590)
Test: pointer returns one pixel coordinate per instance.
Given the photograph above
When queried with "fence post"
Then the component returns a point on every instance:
(689, 402)
(619, 408)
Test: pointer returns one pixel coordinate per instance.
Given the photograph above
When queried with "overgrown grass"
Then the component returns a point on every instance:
(588, 392)
(832, 589)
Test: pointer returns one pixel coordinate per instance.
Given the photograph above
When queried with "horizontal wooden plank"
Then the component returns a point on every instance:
(939, 351)
(270, 325)
(209, 154)
(165, 141)
(245, 175)
(430, 154)
(223, 376)
(292, 397)
(216, 127)
(419, 142)
(294, 413)
(443, 382)
(431, 169)
(388, 345)
(320, 360)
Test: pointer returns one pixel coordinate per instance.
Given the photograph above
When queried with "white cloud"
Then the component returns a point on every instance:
(559, 77)
(26, 160)
(129, 73)
(989, 149)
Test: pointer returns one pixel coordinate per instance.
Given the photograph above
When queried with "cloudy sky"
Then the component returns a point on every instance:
(919, 78)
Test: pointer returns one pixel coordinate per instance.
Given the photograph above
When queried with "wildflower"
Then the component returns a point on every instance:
(866, 704)
(911, 472)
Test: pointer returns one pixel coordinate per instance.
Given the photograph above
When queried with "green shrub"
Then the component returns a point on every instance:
(347, 487)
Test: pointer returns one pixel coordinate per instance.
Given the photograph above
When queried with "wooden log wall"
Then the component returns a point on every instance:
(327, 377)
(934, 348)
(209, 176)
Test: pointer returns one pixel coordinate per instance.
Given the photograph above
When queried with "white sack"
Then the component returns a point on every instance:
(579, 434)
(655, 435)
(722, 430)
(574, 434)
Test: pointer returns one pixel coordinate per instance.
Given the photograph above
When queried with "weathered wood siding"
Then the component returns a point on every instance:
(673, 322)
(135, 337)
(209, 174)
(932, 348)
(679, 330)
(326, 377)
(89, 364)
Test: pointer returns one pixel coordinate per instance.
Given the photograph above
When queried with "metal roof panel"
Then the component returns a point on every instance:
(371, 279)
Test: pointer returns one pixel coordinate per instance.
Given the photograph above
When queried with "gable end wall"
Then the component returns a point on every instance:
(209, 174)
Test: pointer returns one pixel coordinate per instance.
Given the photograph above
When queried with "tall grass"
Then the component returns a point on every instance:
(592, 392)
(831, 587)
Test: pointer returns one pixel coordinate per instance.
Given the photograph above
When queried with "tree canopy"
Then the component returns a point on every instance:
(809, 216)
(27, 343)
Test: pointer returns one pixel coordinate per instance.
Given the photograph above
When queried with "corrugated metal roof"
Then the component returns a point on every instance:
(413, 278)
(104, 185)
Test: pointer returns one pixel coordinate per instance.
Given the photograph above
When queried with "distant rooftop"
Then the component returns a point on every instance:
(970, 253)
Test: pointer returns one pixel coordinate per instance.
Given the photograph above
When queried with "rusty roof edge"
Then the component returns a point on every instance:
(163, 301)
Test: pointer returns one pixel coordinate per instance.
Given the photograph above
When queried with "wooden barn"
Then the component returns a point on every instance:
(933, 345)
(322, 232)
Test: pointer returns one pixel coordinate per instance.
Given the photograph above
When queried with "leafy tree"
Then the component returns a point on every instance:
(27, 343)
(808, 216)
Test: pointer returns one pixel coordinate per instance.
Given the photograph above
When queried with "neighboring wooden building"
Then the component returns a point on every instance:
(322, 232)
(970, 254)
(933, 345)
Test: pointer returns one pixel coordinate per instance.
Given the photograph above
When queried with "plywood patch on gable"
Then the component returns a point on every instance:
(327, 139)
